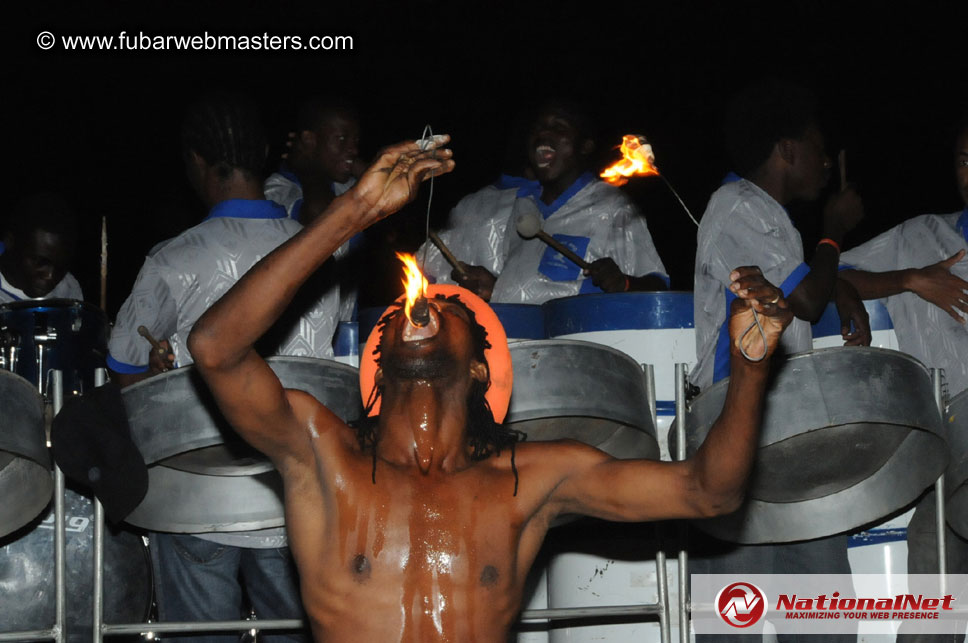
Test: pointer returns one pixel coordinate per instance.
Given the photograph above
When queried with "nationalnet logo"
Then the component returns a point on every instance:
(829, 603)
(741, 604)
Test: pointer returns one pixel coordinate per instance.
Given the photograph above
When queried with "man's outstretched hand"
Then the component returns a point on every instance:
(393, 179)
(754, 292)
(936, 284)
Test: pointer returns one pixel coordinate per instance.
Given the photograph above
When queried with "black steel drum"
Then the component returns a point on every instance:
(569, 389)
(27, 574)
(849, 436)
(956, 477)
(26, 480)
(63, 334)
(202, 476)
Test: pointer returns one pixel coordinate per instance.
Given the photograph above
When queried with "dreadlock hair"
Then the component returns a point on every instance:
(226, 130)
(485, 436)
(760, 116)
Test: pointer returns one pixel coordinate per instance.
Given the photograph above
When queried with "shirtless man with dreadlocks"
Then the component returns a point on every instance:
(414, 532)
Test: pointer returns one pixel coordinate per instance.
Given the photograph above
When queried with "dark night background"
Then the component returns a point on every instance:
(101, 127)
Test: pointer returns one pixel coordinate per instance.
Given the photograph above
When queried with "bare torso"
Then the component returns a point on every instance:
(435, 556)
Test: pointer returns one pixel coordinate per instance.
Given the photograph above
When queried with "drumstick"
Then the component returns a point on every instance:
(530, 226)
(104, 263)
(448, 255)
(155, 344)
(842, 163)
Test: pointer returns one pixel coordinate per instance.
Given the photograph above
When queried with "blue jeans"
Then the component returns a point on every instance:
(198, 580)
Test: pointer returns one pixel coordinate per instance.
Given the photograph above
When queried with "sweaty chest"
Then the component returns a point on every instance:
(460, 529)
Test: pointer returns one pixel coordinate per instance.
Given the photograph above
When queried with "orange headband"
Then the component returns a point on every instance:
(498, 356)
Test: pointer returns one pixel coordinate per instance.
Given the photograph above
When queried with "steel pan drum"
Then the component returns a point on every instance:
(26, 482)
(202, 476)
(568, 389)
(72, 336)
(27, 574)
(651, 327)
(849, 435)
(956, 477)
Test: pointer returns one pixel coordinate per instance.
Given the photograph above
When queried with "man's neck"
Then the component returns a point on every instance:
(554, 189)
(772, 182)
(423, 425)
(236, 186)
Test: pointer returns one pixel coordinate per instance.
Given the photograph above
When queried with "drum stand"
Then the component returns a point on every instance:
(937, 380)
(660, 608)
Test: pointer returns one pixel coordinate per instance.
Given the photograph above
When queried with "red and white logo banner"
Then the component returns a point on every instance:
(830, 603)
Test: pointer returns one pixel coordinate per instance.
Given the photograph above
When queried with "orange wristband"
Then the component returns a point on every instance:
(829, 242)
(628, 284)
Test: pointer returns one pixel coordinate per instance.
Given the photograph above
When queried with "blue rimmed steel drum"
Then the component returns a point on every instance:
(202, 476)
(849, 436)
(26, 480)
(956, 477)
(651, 327)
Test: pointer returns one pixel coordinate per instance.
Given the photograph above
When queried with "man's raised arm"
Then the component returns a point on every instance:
(713, 481)
(222, 341)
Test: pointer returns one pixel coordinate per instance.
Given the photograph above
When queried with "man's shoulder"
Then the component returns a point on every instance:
(738, 198)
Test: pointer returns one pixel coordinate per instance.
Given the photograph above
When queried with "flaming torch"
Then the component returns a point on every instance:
(415, 285)
(638, 159)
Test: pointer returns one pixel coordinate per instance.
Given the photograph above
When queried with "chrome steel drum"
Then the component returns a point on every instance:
(26, 481)
(849, 435)
(568, 389)
(202, 475)
(651, 327)
(956, 477)
(63, 334)
(27, 574)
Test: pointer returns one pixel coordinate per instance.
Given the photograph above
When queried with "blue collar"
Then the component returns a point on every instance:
(525, 187)
(247, 209)
(287, 173)
(731, 177)
(547, 210)
(963, 223)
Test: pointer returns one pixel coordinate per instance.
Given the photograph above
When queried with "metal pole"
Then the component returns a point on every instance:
(665, 632)
(681, 370)
(649, 372)
(97, 617)
(60, 536)
(937, 379)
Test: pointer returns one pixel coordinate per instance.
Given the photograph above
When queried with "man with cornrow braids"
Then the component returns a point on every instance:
(421, 524)
(197, 576)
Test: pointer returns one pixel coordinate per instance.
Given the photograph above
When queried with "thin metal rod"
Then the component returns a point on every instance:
(648, 371)
(32, 635)
(562, 613)
(204, 626)
(937, 379)
(665, 632)
(60, 535)
(680, 427)
(681, 202)
(100, 378)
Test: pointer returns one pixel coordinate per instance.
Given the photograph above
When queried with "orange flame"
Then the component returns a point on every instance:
(415, 283)
(637, 160)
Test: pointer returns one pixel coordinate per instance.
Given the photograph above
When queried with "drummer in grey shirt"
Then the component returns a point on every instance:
(919, 270)
(180, 280)
(778, 150)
